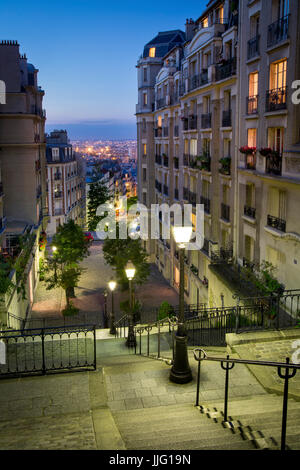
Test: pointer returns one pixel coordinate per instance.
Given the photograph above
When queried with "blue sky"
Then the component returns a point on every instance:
(86, 51)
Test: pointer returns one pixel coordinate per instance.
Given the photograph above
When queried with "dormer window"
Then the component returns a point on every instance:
(152, 52)
(55, 154)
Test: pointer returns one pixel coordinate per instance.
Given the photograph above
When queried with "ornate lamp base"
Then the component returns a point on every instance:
(181, 372)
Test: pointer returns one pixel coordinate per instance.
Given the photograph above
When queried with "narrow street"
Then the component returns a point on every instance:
(89, 294)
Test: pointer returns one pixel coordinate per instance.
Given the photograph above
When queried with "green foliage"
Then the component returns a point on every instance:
(5, 283)
(118, 252)
(70, 310)
(226, 165)
(136, 309)
(62, 268)
(98, 195)
(263, 277)
(131, 202)
(42, 269)
(165, 310)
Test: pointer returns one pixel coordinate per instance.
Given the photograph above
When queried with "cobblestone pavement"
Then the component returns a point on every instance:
(89, 294)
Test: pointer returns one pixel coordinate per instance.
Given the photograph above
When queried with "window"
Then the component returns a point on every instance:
(145, 99)
(145, 74)
(159, 121)
(278, 74)
(275, 138)
(249, 248)
(277, 203)
(144, 150)
(250, 195)
(152, 52)
(252, 137)
(55, 154)
(205, 22)
(144, 174)
(193, 147)
(253, 84)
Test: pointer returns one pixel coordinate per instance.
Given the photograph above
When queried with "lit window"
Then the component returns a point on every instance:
(144, 149)
(145, 99)
(278, 74)
(253, 84)
(251, 137)
(152, 52)
(205, 23)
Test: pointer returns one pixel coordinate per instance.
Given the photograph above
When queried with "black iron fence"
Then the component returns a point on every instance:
(44, 350)
(82, 318)
(285, 371)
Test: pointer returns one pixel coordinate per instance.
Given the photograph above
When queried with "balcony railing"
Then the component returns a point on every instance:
(166, 161)
(252, 104)
(206, 202)
(274, 164)
(278, 31)
(206, 164)
(226, 70)
(192, 122)
(158, 159)
(158, 186)
(158, 132)
(186, 159)
(166, 131)
(253, 47)
(226, 118)
(276, 99)
(250, 161)
(198, 80)
(225, 212)
(250, 212)
(161, 103)
(185, 124)
(186, 194)
(166, 190)
(176, 163)
(206, 121)
(277, 223)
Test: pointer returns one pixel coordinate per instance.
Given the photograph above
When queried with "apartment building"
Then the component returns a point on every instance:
(23, 205)
(65, 183)
(225, 85)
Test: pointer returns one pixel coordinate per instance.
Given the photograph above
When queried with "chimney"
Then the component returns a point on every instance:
(189, 29)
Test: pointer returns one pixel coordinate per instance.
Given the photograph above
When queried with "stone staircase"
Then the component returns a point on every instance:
(151, 413)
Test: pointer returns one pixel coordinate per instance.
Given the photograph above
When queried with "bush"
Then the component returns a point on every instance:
(165, 310)
(70, 310)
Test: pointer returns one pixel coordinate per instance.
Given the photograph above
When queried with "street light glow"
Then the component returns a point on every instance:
(54, 248)
(112, 285)
(130, 270)
(182, 235)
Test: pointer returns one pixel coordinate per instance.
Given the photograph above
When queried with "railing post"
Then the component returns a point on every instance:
(198, 383)
(286, 378)
(43, 353)
(95, 348)
(158, 339)
(227, 368)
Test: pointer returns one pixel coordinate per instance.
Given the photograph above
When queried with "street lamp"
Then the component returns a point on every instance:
(105, 294)
(54, 250)
(130, 272)
(181, 371)
(112, 285)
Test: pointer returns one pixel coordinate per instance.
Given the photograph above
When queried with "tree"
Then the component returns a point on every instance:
(98, 195)
(70, 246)
(118, 252)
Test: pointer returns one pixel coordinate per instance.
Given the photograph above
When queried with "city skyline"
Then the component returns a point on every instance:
(91, 87)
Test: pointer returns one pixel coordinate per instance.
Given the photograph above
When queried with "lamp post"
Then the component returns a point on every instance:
(105, 294)
(181, 371)
(54, 250)
(112, 285)
(130, 272)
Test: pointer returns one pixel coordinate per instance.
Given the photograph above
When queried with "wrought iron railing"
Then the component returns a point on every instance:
(166, 131)
(156, 338)
(226, 118)
(42, 350)
(276, 99)
(166, 161)
(285, 371)
(225, 212)
(250, 211)
(276, 222)
(253, 47)
(252, 104)
(166, 190)
(206, 121)
(274, 164)
(192, 122)
(278, 31)
(226, 70)
(158, 159)
(206, 202)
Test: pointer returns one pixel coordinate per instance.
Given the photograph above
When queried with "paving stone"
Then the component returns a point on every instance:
(133, 403)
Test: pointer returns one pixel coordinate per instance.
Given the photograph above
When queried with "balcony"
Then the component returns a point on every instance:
(198, 80)
(252, 104)
(158, 159)
(185, 194)
(166, 161)
(278, 31)
(192, 122)
(206, 202)
(274, 164)
(226, 118)
(225, 168)
(205, 162)
(176, 131)
(192, 198)
(176, 163)
(206, 121)
(253, 47)
(161, 103)
(166, 190)
(166, 131)
(277, 223)
(226, 69)
(225, 212)
(276, 99)
(158, 132)
(193, 162)
(250, 212)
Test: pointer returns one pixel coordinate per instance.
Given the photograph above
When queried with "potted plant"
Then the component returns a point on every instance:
(226, 165)
(247, 150)
(265, 151)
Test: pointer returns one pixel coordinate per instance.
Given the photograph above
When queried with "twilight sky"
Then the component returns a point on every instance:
(86, 52)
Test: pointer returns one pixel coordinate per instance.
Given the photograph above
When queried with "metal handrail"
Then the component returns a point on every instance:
(170, 321)
(121, 323)
(228, 364)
